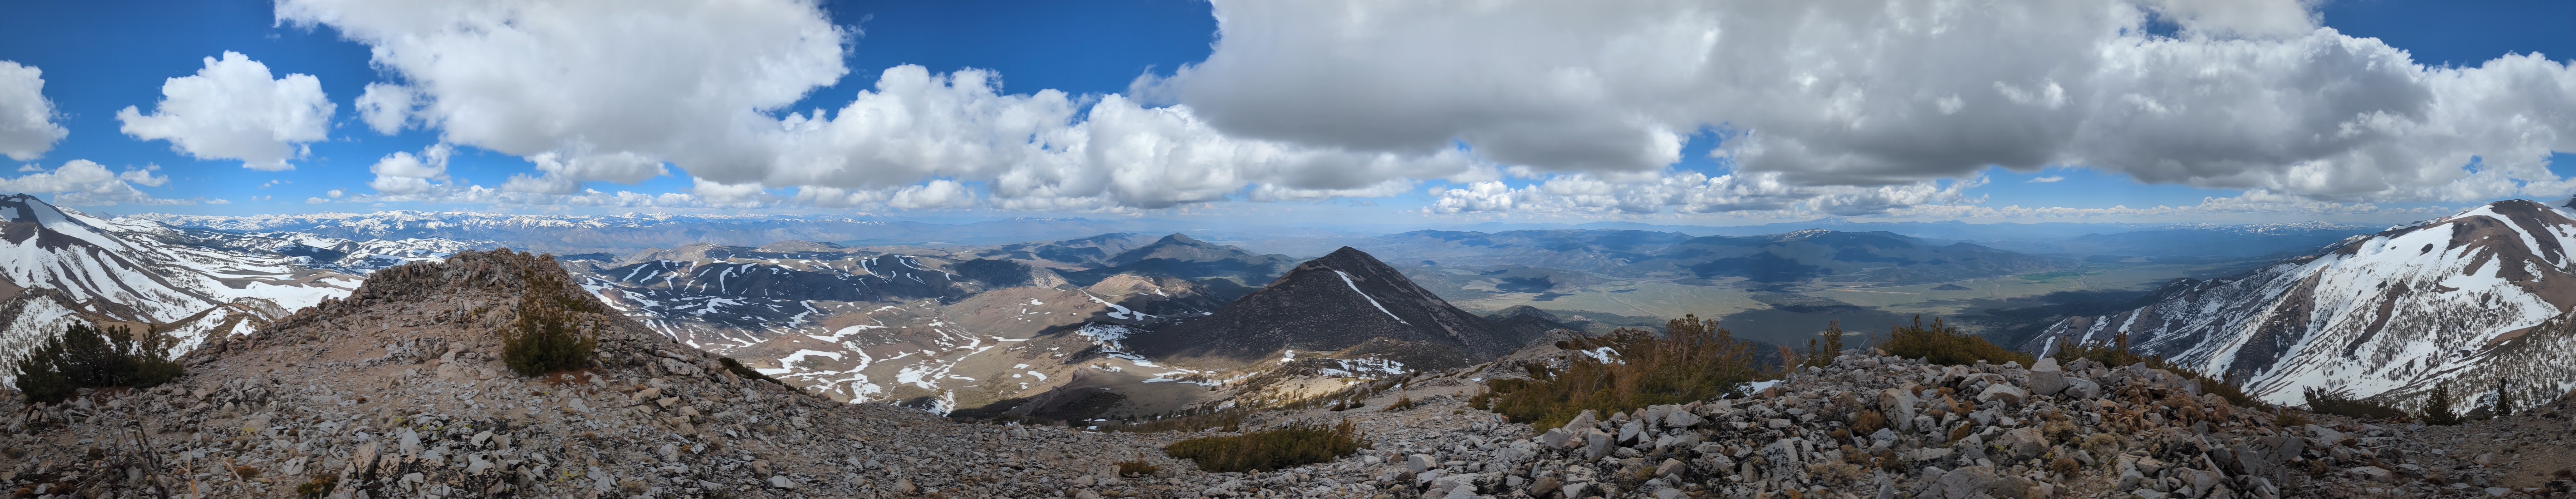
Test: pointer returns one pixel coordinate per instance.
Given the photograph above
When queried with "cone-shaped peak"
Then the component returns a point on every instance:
(1179, 238)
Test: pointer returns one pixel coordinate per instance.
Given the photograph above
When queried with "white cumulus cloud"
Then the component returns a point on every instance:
(1843, 106)
(232, 109)
(2251, 95)
(27, 126)
(82, 182)
(386, 107)
(604, 90)
(406, 174)
(613, 92)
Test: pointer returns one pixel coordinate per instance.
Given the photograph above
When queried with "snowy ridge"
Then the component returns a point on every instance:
(193, 284)
(2385, 314)
(147, 271)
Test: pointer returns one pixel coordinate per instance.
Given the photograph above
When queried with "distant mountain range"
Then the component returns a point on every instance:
(641, 231)
(1876, 257)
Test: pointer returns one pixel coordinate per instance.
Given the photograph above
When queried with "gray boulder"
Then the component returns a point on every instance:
(2046, 378)
(1582, 421)
(1418, 463)
(1963, 483)
(2080, 388)
(2003, 392)
(2024, 443)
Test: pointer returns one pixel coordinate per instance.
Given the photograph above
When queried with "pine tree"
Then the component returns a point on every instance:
(85, 356)
(2437, 407)
(2504, 399)
(39, 378)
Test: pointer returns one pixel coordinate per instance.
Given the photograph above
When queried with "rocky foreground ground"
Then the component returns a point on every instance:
(396, 392)
(1952, 432)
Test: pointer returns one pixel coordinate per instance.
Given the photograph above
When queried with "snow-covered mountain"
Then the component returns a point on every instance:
(2468, 298)
(59, 266)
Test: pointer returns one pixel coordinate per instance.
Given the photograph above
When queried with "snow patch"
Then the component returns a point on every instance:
(1355, 288)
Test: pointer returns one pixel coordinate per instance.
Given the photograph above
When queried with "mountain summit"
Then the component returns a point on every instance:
(1347, 302)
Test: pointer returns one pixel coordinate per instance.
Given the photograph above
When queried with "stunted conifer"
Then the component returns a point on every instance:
(549, 334)
(85, 356)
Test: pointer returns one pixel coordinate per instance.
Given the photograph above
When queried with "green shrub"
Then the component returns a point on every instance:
(1945, 344)
(1295, 445)
(548, 335)
(1694, 360)
(2340, 403)
(85, 356)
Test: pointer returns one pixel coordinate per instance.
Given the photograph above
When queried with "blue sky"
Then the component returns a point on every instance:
(1334, 151)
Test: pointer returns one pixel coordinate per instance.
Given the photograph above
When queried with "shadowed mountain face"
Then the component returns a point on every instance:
(1344, 300)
